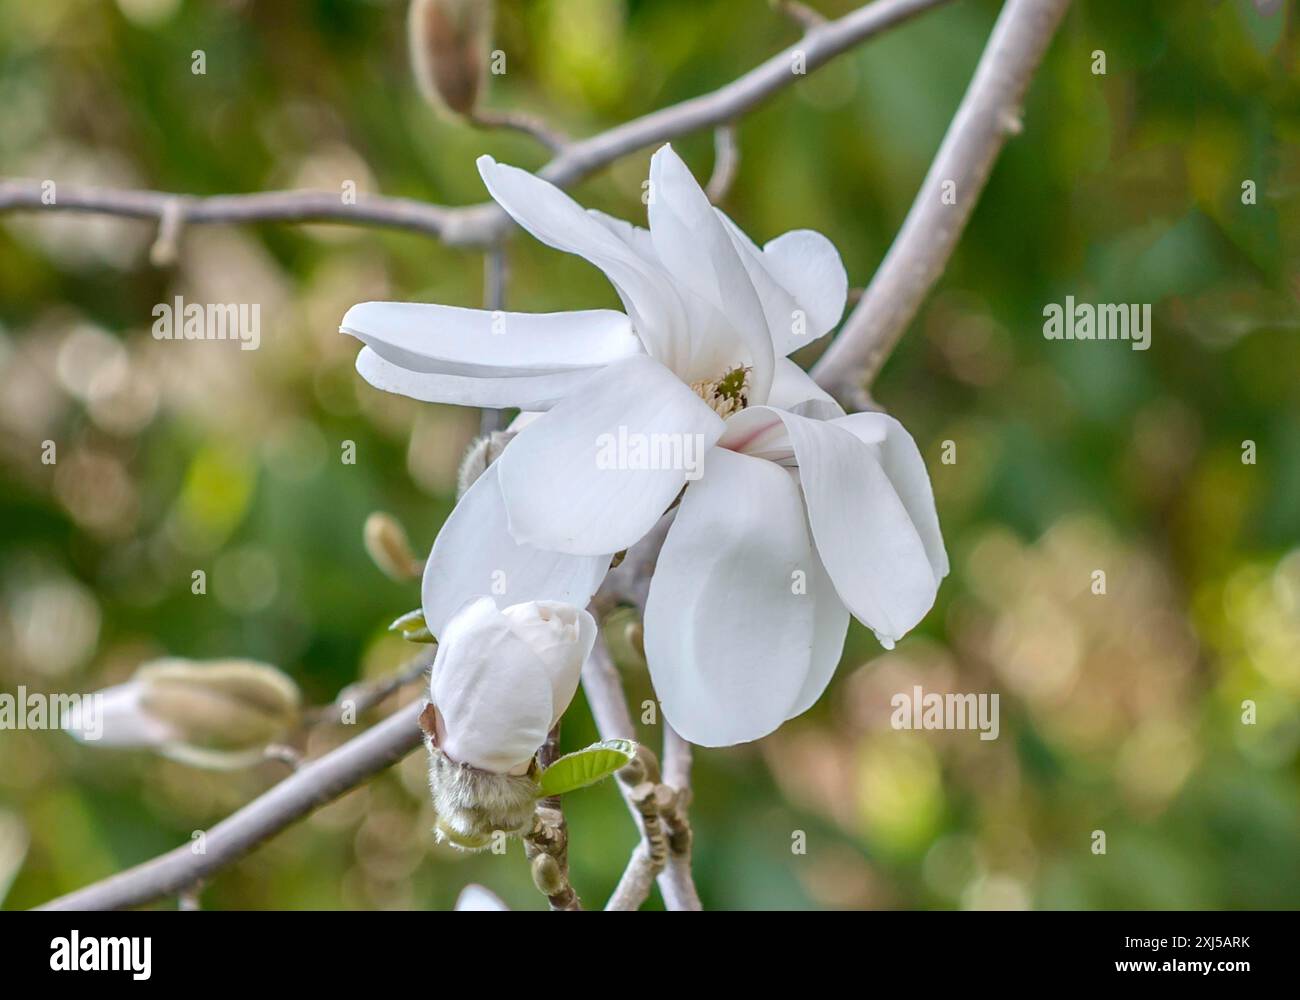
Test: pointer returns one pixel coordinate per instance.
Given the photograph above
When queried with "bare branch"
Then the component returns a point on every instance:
(307, 789)
(482, 225)
(269, 206)
(519, 121)
(988, 115)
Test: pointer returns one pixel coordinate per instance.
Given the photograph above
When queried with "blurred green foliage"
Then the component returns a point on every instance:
(1120, 712)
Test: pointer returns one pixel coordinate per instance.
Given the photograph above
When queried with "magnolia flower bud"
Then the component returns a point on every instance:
(501, 680)
(217, 713)
(450, 42)
(480, 454)
(389, 548)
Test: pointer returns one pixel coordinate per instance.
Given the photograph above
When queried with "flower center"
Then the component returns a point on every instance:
(725, 395)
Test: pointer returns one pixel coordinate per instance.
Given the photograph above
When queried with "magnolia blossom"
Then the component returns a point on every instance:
(502, 678)
(802, 514)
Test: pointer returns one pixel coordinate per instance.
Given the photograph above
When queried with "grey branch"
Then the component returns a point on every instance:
(307, 789)
(481, 225)
(988, 115)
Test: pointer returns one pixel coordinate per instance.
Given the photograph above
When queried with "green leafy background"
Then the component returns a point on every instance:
(1119, 713)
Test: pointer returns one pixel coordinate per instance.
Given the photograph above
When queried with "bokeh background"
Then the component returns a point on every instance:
(1120, 712)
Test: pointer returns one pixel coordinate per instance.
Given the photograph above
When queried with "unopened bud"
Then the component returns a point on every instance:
(450, 42)
(482, 453)
(547, 875)
(635, 635)
(500, 682)
(387, 545)
(216, 713)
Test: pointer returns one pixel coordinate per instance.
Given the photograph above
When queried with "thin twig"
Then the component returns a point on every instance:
(316, 783)
(988, 115)
(362, 696)
(520, 121)
(496, 275)
(483, 224)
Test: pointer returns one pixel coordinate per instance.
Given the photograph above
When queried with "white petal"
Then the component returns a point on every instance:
(711, 346)
(729, 634)
(600, 469)
(115, 717)
(692, 241)
(475, 555)
(562, 636)
(555, 219)
(830, 626)
(864, 533)
(476, 342)
(801, 282)
(901, 459)
(533, 392)
(759, 432)
(491, 690)
(475, 899)
(793, 389)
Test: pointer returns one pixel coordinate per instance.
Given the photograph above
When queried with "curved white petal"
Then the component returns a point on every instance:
(475, 898)
(730, 623)
(793, 389)
(830, 626)
(562, 636)
(760, 433)
(600, 469)
(475, 554)
(901, 459)
(711, 345)
(692, 241)
(865, 534)
(116, 717)
(555, 219)
(530, 392)
(801, 281)
(491, 690)
(450, 340)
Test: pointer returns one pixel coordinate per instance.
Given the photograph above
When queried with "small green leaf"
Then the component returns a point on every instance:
(586, 767)
(412, 627)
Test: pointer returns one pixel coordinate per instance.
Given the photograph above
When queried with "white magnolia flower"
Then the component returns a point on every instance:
(502, 678)
(803, 514)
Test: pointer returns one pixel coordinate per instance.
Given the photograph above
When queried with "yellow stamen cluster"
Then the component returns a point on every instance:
(725, 395)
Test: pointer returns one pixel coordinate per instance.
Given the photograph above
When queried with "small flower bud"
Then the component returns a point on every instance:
(547, 875)
(217, 713)
(388, 547)
(501, 680)
(480, 454)
(450, 42)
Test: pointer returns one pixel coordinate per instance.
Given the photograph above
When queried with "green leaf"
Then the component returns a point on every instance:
(412, 627)
(586, 767)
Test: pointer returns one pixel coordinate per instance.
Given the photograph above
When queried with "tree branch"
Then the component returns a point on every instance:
(307, 789)
(482, 225)
(988, 115)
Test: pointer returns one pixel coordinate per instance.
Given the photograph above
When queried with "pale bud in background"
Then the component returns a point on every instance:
(480, 454)
(501, 680)
(216, 713)
(450, 42)
(389, 548)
